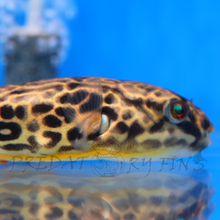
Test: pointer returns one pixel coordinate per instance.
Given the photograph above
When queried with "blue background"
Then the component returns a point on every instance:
(172, 44)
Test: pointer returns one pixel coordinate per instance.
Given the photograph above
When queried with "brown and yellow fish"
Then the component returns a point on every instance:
(160, 196)
(82, 116)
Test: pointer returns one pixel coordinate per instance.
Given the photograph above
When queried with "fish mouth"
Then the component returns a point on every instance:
(203, 142)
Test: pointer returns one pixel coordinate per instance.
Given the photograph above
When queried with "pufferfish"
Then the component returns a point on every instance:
(82, 116)
(161, 196)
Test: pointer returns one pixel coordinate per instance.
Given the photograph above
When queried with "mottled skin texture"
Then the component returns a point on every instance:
(158, 197)
(63, 117)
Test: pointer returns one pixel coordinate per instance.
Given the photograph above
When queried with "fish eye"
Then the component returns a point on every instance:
(105, 124)
(176, 111)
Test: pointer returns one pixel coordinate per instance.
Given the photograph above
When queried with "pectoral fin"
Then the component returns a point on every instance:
(87, 103)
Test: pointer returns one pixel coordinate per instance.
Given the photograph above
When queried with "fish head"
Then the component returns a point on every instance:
(146, 118)
(186, 124)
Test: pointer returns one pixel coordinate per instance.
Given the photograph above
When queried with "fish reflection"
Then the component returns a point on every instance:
(160, 196)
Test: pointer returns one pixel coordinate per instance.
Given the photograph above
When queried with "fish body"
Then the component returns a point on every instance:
(159, 196)
(83, 116)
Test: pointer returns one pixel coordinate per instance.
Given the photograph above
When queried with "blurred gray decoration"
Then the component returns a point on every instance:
(34, 37)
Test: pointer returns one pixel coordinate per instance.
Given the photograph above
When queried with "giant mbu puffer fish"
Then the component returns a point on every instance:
(83, 116)
(161, 196)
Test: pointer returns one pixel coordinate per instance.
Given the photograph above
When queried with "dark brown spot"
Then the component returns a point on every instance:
(116, 90)
(93, 135)
(56, 213)
(20, 91)
(20, 112)
(74, 134)
(73, 85)
(136, 200)
(65, 148)
(14, 199)
(105, 89)
(7, 211)
(54, 136)
(94, 102)
(65, 98)
(59, 88)
(190, 128)
(67, 113)
(109, 99)
(205, 123)
(192, 117)
(154, 105)
(42, 108)
(135, 130)
(110, 141)
(7, 112)
(121, 128)
(13, 127)
(194, 208)
(110, 113)
(158, 94)
(33, 126)
(196, 191)
(34, 207)
(156, 200)
(160, 217)
(16, 147)
(170, 142)
(52, 121)
(150, 89)
(172, 199)
(73, 216)
(152, 143)
(34, 193)
(157, 127)
(136, 102)
(183, 198)
(141, 86)
(130, 216)
(181, 142)
(122, 204)
(78, 97)
(127, 114)
(76, 201)
(33, 142)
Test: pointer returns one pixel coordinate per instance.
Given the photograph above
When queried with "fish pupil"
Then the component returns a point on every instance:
(178, 109)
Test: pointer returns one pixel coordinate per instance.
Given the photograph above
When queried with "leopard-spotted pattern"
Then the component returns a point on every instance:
(157, 197)
(49, 117)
